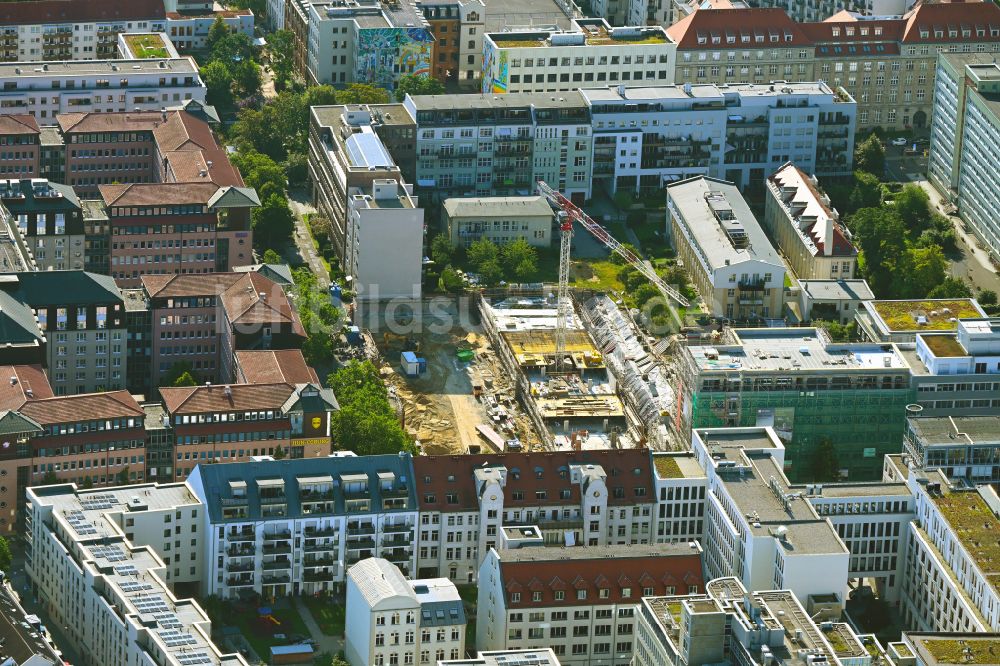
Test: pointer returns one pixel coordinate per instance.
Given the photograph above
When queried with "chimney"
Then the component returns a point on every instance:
(828, 235)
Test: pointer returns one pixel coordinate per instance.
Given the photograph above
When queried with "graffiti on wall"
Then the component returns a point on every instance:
(385, 54)
(494, 70)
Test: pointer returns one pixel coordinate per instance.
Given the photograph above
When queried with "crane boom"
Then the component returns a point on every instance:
(573, 212)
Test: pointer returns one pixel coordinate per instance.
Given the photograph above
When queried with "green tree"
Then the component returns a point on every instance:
(866, 193)
(216, 33)
(482, 251)
(318, 96)
(273, 222)
(6, 558)
(869, 156)
(881, 240)
(825, 465)
(366, 422)
(987, 297)
(281, 50)
(247, 77)
(618, 259)
(88, 483)
(49, 478)
(279, 453)
(927, 268)
(914, 208)
(412, 84)
(451, 281)
(259, 170)
(950, 287)
(519, 260)
(362, 93)
(232, 48)
(176, 371)
(442, 250)
(186, 379)
(297, 168)
(339, 661)
(490, 272)
(271, 257)
(218, 84)
(121, 478)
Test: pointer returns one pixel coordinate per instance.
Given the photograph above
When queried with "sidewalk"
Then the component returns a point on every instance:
(330, 644)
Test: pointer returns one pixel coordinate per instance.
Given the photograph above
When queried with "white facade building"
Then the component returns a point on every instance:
(189, 30)
(103, 563)
(44, 89)
(757, 528)
(392, 620)
(384, 249)
(500, 219)
(591, 53)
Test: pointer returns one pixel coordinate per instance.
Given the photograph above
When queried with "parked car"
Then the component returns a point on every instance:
(899, 141)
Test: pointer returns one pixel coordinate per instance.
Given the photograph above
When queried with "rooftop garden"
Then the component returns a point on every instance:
(517, 43)
(667, 467)
(147, 46)
(957, 651)
(944, 346)
(902, 315)
(648, 38)
(902, 649)
(975, 525)
(837, 642)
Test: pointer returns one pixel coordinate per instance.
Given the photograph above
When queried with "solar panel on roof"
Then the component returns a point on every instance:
(193, 658)
(126, 570)
(167, 620)
(176, 638)
(131, 586)
(150, 603)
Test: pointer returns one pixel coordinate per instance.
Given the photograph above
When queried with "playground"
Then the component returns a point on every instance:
(263, 625)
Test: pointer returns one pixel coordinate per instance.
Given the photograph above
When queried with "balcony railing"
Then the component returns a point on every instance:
(233, 581)
(319, 531)
(275, 536)
(242, 536)
(358, 529)
(276, 549)
(275, 579)
(276, 564)
(318, 562)
(319, 576)
(359, 544)
(234, 568)
(397, 527)
(241, 551)
(319, 546)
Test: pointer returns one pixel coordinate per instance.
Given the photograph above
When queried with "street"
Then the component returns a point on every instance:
(298, 201)
(903, 168)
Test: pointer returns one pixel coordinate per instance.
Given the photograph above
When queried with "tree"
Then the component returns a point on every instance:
(282, 64)
(186, 379)
(365, 423)
(914, 208)
(482, 251)
(121, 478)
(232, 48)
(882, 242)
(442, 250)
(825, 466)
(451, 281)
(987, 297)
(362, 93)
(176, 371)
(88, 483)
(412, 84)
(339, 661)
(519, 260)
(49, 478)
(867, 192)
(297, 168)
(273, 222)
(950, 288)
(279, 453)
(869, 156)
(490, 272)
(216, 33)
(247, 77)
(6, 558)
(318, 96)
(618, 259)
(926, 270)
(218, 84)
(258, 170)
(271, 257)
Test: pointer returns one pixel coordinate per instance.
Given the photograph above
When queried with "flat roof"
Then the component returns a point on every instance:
(947, 649)
(568, 99)
(365, 150)
(702, 92)
(561, 553)
(49, 69)
(794, 350)
(677, 465)
(492, 206)
(705, 205)
(919, 315)
(975, 525)
(837, 290)
(956, 430)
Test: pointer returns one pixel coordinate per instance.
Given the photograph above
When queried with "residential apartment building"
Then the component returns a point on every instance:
(364, 41)
(635, 12)
(297, 526)
(393, 620)
(204, 319)
(59, 30)
(20, 149)
(807, 230)
(804, 12)
(500, 145)
(82, 316)
(963, 447)
(591, 52)
(543, 657)
(458, 27)
(237, 422)
(103, 563)
(957, 373)
(385, 242)
(647, 137)
(729, 625)
(757, 529)
(731, 262)
(47, 89)
(966, 119)
(189, 27)
(500, 219)
(886, 63)
(47, 218)
(581, 602)
(831, 300)
(596, 498)
(680, 484)
(811, 390)
(347, 154)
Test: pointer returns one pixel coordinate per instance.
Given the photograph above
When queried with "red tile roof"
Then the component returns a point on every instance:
(255, 299)
(175, 286)
(78, 11)
(132, 121)
(433, 474)
(262, 366)
(951, 15)
(842, 246)
(16, 381)
(18, 123)
(84, 407)
(216, 398)
(592, 569)
(723, 23)
(158, 194)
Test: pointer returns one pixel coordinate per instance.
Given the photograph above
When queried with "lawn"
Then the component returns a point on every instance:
(147, 46)
(259, 633)
(329, 614)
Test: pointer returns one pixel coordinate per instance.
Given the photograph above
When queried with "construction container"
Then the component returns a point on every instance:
(412, 364)
(354, 335)
(465, 355)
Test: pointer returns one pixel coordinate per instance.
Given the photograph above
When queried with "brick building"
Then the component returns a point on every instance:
(20, 150)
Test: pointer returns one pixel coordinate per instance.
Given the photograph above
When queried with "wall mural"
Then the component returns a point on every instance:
(494, 60)
(385, 54)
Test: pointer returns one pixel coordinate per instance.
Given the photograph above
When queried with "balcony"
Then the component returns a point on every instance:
(317, 546)
(239, 581)
(318, 562)
(277, 549)
(275, 565)
(275, 579)
(397, 527)
(241, 551)
(319, 531)
(235, 567)
(358, 529)
(395, 540)
(242, 536)
(320, 576)
(394, 492)
(309, 496)
(560, 524)
(276, 536)
(358, 544)
(273, 499)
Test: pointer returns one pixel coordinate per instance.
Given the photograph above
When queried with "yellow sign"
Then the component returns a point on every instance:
(312, 441)
(317, 422)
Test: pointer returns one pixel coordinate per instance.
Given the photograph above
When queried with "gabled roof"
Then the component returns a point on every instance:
(21, 383)
(531, 472)
(224, 397)
(176, 286)
(261, 366)
(18, 325)
(945, 15)
(18, 123)
(254, 299)
(235, 197)
(134, 121)
(723, 23)
(157, 194)
(85, 407)
(78, 11)
(12, 423)
(40, 289)
(280, 273)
